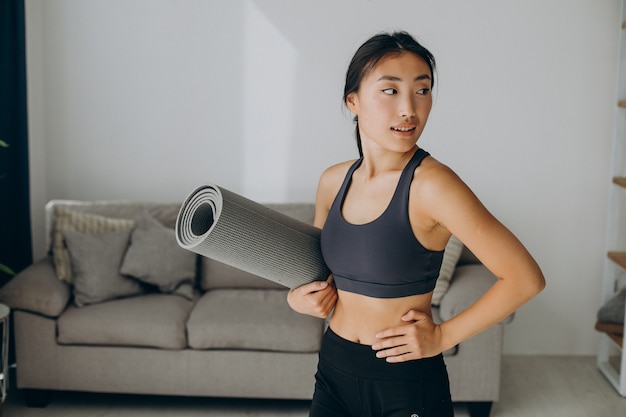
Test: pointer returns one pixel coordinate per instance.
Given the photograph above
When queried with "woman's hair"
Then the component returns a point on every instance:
(371, 52)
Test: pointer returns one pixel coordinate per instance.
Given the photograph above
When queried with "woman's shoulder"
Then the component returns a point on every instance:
(434, 176)
(337, 172)
(332, 178)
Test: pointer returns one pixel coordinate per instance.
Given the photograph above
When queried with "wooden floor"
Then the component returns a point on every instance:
(532, 386)
(556, 386)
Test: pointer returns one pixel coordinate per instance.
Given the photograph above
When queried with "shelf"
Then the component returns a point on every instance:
(614, 331)
(618, 339)
(619, 258)
(621, 181)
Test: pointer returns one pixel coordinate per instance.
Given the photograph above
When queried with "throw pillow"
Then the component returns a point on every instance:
(155, 258)
(451, 256)
(34, 291)
(96, 260)
(613, 310)
(66, 219)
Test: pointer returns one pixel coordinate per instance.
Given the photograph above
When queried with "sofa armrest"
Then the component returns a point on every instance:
(468, 284)
(37, 289)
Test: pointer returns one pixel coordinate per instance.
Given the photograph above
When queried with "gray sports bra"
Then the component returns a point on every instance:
(382, 258)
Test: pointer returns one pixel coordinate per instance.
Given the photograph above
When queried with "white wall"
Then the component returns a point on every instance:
(146, 99)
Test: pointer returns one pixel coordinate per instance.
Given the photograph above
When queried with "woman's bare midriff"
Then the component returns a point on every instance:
(358, 318)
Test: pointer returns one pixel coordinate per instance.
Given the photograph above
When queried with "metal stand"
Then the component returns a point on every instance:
(4, 353)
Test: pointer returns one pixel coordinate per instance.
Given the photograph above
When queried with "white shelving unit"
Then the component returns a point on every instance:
(611, 357)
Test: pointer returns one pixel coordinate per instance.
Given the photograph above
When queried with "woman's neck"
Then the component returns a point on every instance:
(380, 161)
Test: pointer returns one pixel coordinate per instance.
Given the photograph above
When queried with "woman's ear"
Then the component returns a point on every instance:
(352, 102)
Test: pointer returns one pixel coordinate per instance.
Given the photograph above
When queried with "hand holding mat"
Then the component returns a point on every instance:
(239, 232)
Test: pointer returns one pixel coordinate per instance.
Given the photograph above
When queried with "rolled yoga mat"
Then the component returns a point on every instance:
(239, 232)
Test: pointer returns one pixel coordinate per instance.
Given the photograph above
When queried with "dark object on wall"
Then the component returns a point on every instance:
(15, 232)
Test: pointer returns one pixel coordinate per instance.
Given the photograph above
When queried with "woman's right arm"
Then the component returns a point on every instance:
(315, 299)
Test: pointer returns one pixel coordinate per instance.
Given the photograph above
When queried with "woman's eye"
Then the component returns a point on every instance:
(423, 91)
(390, 91)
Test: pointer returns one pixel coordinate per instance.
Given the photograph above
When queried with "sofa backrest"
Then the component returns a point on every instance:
(166, 213)
(213, 274)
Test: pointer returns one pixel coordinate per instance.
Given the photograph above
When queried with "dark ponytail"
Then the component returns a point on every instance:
(370, 53)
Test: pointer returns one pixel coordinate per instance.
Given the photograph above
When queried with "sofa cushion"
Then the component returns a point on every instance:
(155, 258)
(251, 319)
(96, 261)
(305, 212)
(66, 219)
(451, 255)
(37, 289)
(151, 320)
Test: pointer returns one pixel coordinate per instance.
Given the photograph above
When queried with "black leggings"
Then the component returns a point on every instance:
(352, 382)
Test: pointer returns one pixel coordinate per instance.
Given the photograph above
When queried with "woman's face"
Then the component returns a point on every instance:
(393, 102)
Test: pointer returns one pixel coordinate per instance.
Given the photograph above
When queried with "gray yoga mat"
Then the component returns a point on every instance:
(239, 232)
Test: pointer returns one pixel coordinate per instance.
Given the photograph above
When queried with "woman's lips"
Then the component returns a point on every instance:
(403, 130)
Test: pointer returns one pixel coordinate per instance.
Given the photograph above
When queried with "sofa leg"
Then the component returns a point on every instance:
(479, 409)
(37, 398)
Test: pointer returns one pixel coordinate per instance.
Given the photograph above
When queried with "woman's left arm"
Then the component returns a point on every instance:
(455, 208)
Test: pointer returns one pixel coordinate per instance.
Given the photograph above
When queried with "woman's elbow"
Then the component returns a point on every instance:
(535, 283)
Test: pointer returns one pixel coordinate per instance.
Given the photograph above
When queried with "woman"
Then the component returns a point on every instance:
(385, 221)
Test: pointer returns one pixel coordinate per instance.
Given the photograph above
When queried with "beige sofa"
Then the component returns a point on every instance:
(217, 332)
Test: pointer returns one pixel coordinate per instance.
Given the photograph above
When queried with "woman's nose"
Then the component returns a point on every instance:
(408, 108)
